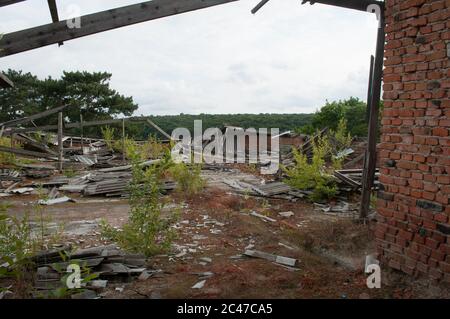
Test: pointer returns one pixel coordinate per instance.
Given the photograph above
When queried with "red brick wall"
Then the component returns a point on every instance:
(413, 231)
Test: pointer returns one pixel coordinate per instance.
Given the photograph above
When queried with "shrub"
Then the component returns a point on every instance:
(16, 246)
(152, 148)
(108, 135)
(188, 178)
(313, 175)
(146, 231)
(7, 158)
(343, 140)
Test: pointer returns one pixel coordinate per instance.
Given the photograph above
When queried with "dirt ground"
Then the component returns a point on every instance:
(214, 230)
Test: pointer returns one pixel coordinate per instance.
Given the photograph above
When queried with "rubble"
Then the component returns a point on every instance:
(102, 261)
(274, 258)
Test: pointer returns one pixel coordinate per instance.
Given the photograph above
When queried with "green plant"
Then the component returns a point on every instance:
(16, 248)
(373, 201)
(86, 276)
(108, 135)
(18, 243)
(313, 175)
(69, 172)
(343, 140)
(146, 231)
(152, 148)
(7, 158)
(131, 148)
(188, 178)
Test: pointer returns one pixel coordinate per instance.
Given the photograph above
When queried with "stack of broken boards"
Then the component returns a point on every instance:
(108, 262)
(280, 190)
(98, 183)
(275, 190)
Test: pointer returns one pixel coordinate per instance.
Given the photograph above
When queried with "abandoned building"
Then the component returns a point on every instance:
(411, 161)
(413, 230)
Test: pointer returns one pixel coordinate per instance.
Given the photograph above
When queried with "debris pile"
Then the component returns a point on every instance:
(105, 265)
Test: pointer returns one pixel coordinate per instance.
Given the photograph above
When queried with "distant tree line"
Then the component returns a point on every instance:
(90, 95)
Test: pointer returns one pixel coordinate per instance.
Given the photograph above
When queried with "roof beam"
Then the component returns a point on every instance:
(34, 116)
(19, 151)
(53, 10)
(57, 32)
(361, 5)
(76, 125)
(5, 82)
(54, 13)
(4, 3)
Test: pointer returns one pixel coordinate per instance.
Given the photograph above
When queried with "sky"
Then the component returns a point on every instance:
(288, 58)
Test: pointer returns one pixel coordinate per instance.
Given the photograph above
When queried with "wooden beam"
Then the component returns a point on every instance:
(44, 35)
(370, 88)
(53, 10)
(60, 141)
(31, 142)
(34, 116)
(82, 134)
(361, 5)
(123, 141)
(76, 125)
(4, 3)
(5, 82)
(54, 14)
(371, 152)
(159, 129)
(19, 151)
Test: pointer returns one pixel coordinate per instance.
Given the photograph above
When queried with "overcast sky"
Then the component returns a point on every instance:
(288, 58)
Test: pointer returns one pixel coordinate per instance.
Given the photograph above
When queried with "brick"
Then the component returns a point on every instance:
(429, 205)
(443, 228)
(431, 243)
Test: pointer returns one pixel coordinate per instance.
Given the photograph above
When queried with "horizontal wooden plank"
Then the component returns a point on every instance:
(4, 3)
(34, 116)
(76, 125)
(19, 151)
(44, 35)
(361, 5)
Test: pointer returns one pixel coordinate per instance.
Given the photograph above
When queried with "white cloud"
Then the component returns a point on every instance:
(288, 58)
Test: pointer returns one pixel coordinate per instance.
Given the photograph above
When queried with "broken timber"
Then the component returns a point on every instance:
(34, 117)
(81, 124)
(59, 32)
(44, 35)
(9, 2)
(25, 153)
(5, 82)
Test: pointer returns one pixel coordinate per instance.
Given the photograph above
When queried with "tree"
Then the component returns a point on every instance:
(89, 94)
(352, 110)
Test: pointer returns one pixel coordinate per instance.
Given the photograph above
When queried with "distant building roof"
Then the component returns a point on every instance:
(5, 82)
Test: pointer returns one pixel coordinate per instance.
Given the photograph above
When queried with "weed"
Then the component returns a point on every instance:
(152, 148)
(313, 175)
(146, 232)
(108, 135)
(69, 173)
(7, 158)
(343, 140)
(16, 246)
(188, 178)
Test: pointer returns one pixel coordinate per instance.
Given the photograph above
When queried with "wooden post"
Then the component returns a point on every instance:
(123, 140)
(82, 134)
(370, 89)
(370, 161)
(60, 141)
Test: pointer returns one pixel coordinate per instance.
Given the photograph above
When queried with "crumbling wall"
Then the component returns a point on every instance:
(413, 231)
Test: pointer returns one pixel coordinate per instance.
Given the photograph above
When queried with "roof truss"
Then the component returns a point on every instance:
(60, 31)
